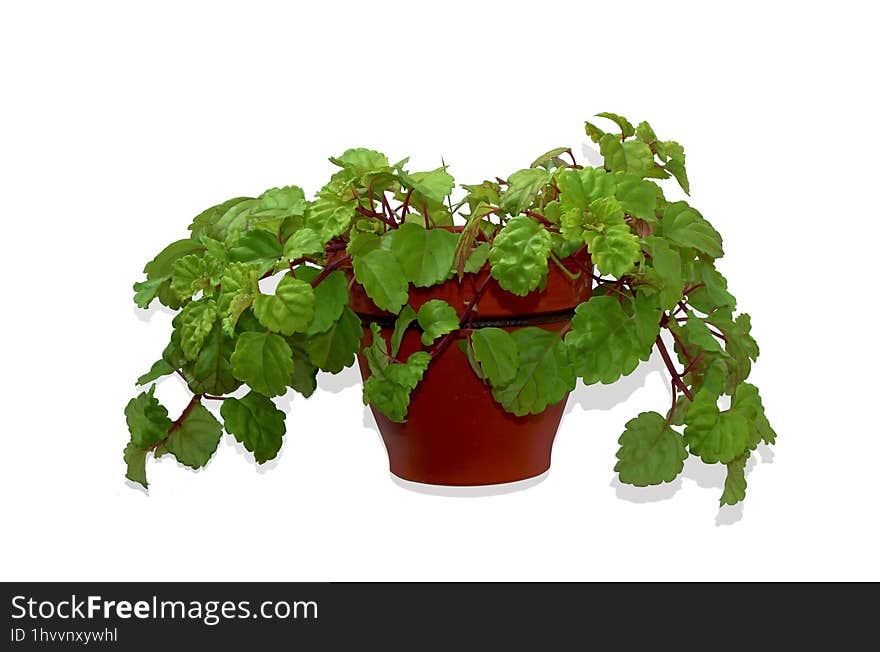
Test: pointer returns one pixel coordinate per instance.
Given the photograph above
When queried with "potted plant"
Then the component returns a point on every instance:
(471, 319)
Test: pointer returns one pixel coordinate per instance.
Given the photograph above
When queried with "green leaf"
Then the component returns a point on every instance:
(548, 157)
(477, 258)
(666, 261)
(714, 435)
(615, 250)
(330, 216)
(543, 377)
(334, 349)
(135, 464)
(361, 161)
(264, 361)
(518, 256)
(634, 156)
(146, 291)
(290, 310)
(211, 371)
(740, 346)
(160, 368)
(578, 188)
(593, 132)
(638, 197)
(383, 279)
(283, 202)
(424, 254)
(645, 133)
(496, 351)
(747, 401)
(735, 482)
(218, 221)
(434, 185)
(331, 297)
(238, 287)
(147, 419)
(260, 247)
(196, 320)
(305, 374)
(389, 390)
(189, 275)
(685, 227)
(607, 341)
(303, 242)
(650, 451)
(401, 324)
(522, 188)
(436, 317)
(697, 333)
(625, 125)
(195, 438)
(255, 422)
(713, 292)
(677, 169)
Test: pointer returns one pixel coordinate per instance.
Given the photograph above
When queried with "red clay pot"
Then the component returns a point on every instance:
(455, 433)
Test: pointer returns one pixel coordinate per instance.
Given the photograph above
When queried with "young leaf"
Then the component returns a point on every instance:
(290, 310)
(424, 254)
(650, 451)
(264, 361)
(607, 342)
(189, 275)
(477, 259)
(238, 287)
(522, 188)
(518, 256)
(255, 422)
(434, 185)
(196, 320)
(160, 368)
(195, 438)
(147, 419)
(404, 319)
(543, 377)
(496, 351)
(625, 125)
(614, 250)
(383, 279)
(135, 464)
(685, 227)
(548, 157)
(735, 482)
(334, 349)
(578, 188)
(436, 317)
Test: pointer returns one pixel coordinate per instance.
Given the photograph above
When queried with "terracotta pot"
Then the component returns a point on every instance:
(455, 433)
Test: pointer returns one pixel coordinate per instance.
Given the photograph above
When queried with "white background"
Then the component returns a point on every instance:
(120, 123)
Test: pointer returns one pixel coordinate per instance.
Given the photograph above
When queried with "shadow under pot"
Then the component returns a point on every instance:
(456, 433)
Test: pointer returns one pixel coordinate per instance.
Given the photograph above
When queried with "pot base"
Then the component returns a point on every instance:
(469, 491)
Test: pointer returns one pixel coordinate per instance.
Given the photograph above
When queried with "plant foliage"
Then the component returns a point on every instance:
(377, 224)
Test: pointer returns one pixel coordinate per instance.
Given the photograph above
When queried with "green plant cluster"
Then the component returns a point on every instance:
(651, 261)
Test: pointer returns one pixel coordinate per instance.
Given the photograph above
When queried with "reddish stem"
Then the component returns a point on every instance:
(446, 340)
(676, 378)
(339, 262)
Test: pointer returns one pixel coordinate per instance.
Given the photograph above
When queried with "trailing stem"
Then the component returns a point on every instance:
(446, 340)
(676, 377)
